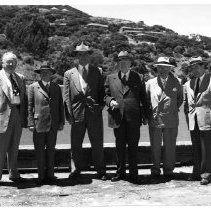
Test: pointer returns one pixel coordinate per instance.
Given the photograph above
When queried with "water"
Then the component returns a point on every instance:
(64, 136)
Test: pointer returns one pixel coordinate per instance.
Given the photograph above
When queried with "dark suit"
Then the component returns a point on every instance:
(46, 114)
(12, 120)
(127, 119)
(84, 111)
(199, 113)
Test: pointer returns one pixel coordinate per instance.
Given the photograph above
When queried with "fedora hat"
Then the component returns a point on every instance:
(82, 48)
(165, 61)
(196, 60)
(44, 67)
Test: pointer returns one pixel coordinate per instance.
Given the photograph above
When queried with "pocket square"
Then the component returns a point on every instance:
(174, 89)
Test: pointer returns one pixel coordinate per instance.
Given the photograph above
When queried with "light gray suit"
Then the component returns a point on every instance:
(165, 103)
(199, 113)
(12, 120)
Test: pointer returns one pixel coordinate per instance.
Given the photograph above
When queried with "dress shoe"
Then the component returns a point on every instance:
(74, 174)
(194, 178)
(204, 181)
(41, 182)
(168, 177)
(133, 180)
(17, 179)
(102, 176)
(118, 177)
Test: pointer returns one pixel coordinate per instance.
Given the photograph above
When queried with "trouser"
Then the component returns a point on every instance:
(44, 144)
(127, 134)
(93, 123)
(9, 143)
(168, 135)
(201, 143)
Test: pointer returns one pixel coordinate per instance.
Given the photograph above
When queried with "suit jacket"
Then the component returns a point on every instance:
(46, 110)
(76, 102)
(131, 98)
(165, 102)
(6, 100)
(199, 105)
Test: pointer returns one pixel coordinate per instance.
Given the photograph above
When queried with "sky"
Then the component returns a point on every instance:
(182, 16)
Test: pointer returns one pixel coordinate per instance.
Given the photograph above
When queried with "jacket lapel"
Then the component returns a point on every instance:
(20, 86)
(204, 85)
(75, 79)
(42, 89)
(118, 83)
(6, 85)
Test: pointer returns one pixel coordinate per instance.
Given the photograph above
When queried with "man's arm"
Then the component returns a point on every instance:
(67, 99)
(31, 123)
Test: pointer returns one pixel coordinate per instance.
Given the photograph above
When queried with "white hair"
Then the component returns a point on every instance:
(8, 55)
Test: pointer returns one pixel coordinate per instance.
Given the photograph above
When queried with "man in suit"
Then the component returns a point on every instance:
(166, 96)
(198, 99)
(83, 98)
(127, 102)
(45, 118)
(13, 114)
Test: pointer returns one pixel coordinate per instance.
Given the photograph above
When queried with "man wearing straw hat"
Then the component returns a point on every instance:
(13, 114)
(45, 118)
(166, 96)
(83, 98)
(198, 99)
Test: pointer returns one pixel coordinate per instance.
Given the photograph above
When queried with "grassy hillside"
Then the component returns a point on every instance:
(44, 33)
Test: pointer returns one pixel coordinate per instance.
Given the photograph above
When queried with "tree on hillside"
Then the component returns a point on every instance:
(30, 31)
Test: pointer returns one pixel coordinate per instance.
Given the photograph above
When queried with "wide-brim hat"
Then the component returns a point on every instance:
(196, 60)
(165, 61)
(124, 54)
(82, 48)
(44, 67)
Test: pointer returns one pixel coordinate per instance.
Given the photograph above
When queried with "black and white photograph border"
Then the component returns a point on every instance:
(87, 190)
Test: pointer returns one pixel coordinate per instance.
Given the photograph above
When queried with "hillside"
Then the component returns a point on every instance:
(50, 33)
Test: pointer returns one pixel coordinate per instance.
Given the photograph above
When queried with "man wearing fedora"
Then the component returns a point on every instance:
(13, 114)
(198, 99)
(125, 95)
(83, 99)
(166, 96)
(45, 118)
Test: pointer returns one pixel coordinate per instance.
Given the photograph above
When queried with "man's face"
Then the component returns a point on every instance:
(83, 58)
(9, 65)
(124, 63)
(163, 70)
(197, 70)
(46, 75)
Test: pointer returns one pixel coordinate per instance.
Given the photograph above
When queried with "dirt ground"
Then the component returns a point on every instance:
(89, 191)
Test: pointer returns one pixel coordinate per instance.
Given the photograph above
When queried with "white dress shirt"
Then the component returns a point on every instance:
(127, 75)
(14, 99)
(82, 82)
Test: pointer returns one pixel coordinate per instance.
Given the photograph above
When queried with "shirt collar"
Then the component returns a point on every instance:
(45, 83)
(127, 74)
(80, 67)
(201, 78)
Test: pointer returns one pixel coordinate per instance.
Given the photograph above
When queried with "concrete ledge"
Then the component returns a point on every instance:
(26, 158)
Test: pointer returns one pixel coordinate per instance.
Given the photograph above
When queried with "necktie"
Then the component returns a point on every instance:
(47, 87)
(84, 74)
(196, 87)
(124, 80)
(15, 88)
